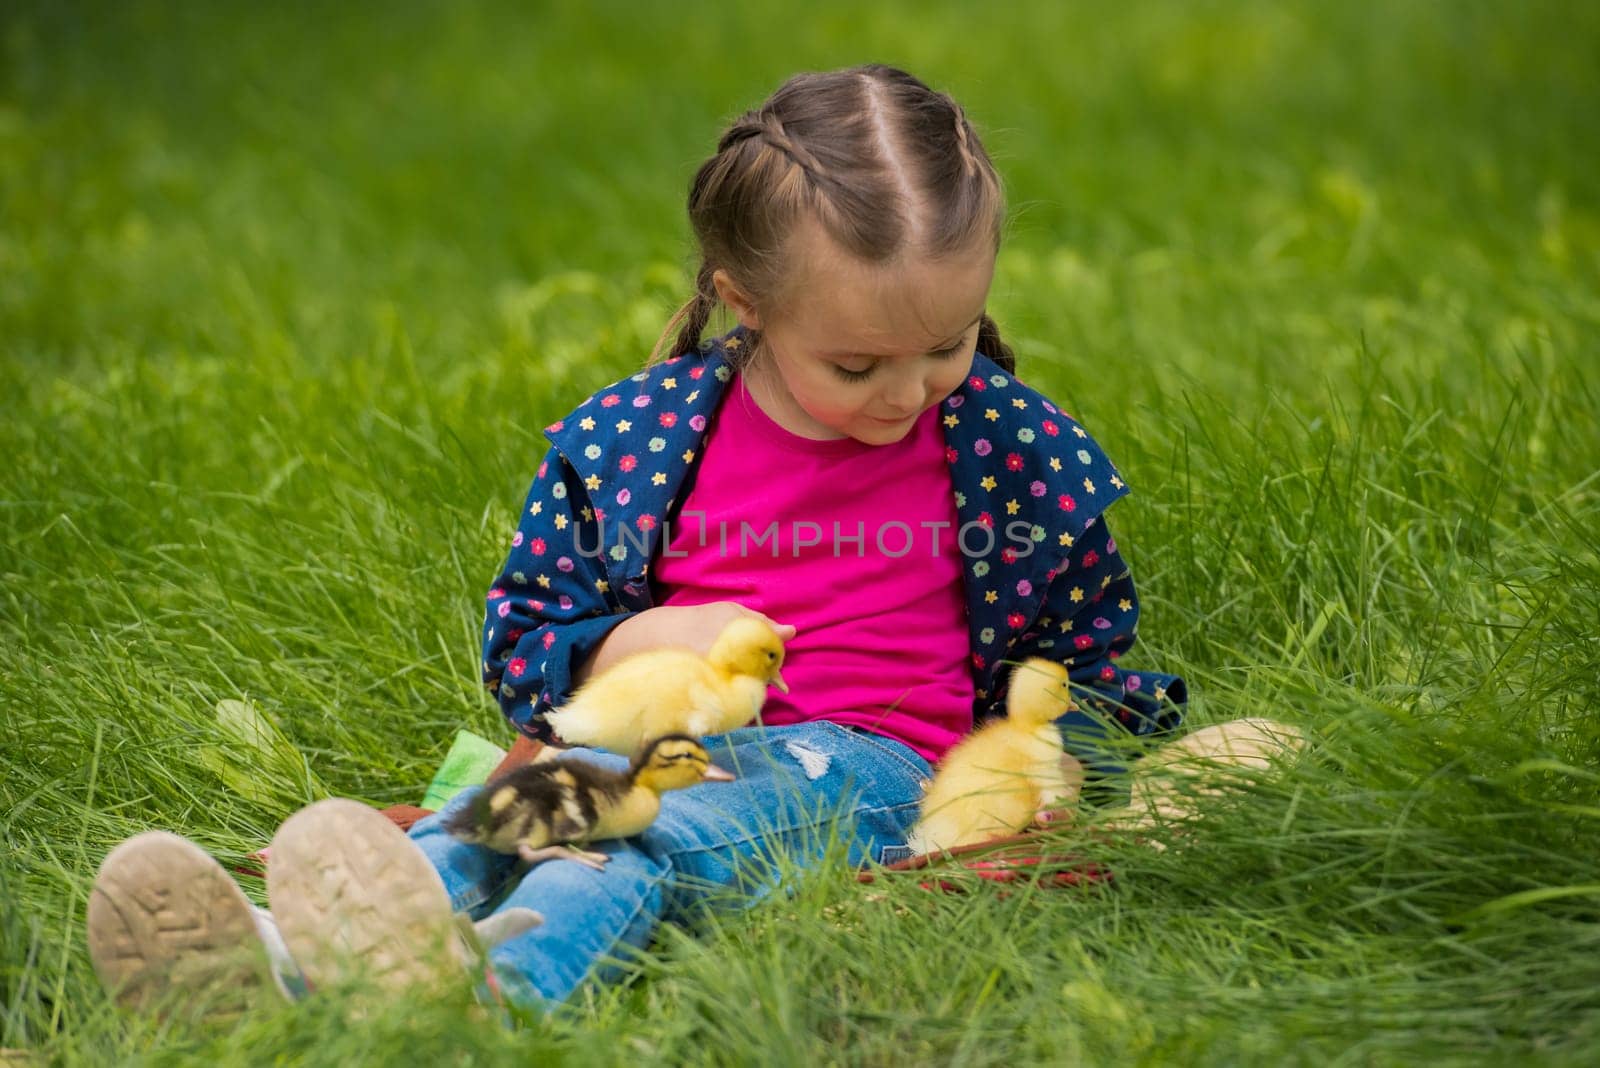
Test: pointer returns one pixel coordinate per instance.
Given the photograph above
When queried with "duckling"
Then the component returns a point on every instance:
(541, 810)
(997, 779)
(676, 691)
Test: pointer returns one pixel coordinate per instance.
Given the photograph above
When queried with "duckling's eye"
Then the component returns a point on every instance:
(771, 655)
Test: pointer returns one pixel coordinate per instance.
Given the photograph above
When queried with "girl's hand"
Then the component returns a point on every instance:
(696, 625)
(693, 626)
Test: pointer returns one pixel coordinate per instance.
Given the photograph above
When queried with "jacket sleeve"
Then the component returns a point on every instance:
(550, 606)
(1087, 621)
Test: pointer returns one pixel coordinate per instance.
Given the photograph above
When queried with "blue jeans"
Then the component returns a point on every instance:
(800, 789)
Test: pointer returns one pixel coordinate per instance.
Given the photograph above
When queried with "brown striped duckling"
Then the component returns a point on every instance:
(544, 810)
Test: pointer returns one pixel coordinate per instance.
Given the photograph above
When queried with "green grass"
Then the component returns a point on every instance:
(286, 295)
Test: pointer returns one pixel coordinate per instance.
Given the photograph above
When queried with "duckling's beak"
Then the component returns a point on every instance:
(716, 774)
(777, 680)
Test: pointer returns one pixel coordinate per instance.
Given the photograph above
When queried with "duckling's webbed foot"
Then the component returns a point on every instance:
(597, 861)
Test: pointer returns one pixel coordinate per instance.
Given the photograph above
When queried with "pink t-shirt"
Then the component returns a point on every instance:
(855, 545)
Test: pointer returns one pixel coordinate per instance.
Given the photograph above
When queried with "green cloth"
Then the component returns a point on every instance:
(468, 763)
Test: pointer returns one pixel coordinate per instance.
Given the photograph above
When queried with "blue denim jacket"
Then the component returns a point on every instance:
(1043, 576)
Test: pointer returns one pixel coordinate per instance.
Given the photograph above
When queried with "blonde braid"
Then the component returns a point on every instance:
(779, 138)
(691, 319)
(769, 128)
(968, 162)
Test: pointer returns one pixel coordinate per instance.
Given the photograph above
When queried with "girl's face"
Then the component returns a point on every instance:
(858, 350)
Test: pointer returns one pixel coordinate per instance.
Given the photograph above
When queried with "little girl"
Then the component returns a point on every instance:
(856, 462)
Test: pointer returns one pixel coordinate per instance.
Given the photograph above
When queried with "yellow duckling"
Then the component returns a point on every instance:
(538, 810)
(997, 779)
(676, 691)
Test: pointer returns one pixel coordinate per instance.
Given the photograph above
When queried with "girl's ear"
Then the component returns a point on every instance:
(737, 299)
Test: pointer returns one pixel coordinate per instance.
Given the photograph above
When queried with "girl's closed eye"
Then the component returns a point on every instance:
(850, 375)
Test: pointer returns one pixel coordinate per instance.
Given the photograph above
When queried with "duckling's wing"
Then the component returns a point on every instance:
(1054, 786)
(571, 809)
(957, 823)
(697, 721)
(593, 717)
(716, 705)
(590, 795)
(570, 822)
(625, 703)
(511, 809)
(980, 790)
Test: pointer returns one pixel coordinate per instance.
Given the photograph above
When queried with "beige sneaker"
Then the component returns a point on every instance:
(354, 896)
(168, 928)
(1172, 784)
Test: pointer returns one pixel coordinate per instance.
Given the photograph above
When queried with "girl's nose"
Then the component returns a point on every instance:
(905, 396)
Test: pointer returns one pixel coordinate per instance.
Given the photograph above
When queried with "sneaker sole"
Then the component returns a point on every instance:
(354, 897)
(165, 920)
